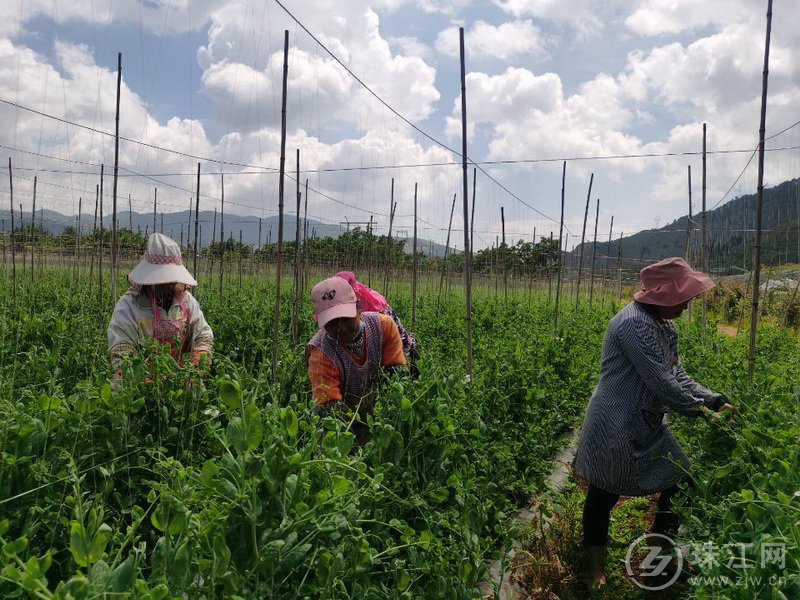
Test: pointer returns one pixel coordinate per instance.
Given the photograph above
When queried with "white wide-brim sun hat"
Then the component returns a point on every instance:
(161, 263)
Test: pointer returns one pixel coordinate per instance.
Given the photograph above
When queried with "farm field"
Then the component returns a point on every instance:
(231, 487)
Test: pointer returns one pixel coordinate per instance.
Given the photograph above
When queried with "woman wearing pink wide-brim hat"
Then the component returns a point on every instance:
(158, 305)
(625, 447)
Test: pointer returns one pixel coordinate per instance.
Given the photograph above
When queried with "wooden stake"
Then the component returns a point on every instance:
(607, 275)
(196, 219)
(502, 254)
(619, 268)
(594, 251)
(751, 359)
(415, 263)
(211, 248)
(446, 249)
(221, 233)
(583, 240)
(276, 324)
(305, 240)
(100, 261)
(703, 240)
(560, 235)
(387, 258)
(467, 243)
(33, 238)
(296, 285)
(114, 241)
(13, 239)
(689, 219)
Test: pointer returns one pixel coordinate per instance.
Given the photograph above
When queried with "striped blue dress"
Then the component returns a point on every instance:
(625, 445)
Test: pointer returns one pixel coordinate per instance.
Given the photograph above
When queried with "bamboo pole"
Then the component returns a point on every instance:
(196, 219)
(24, 243)
(130, 213)
(389, 250)
(472, 223)
(13, 240)
(100, 259)
(296, 271)
(94, 233)
(619, 268)
(703, 234)
(607, 270)
(78, 241)
(33, 239)
(689, 218)
(446, 250)
(369, 249)
(387, 257)
(594, 252)
(550, 276)
(305, 239)
(467, 236)
(759, 198)
(502, 254)
(114, 241)
(221, 234)
(415, 263)
(211, 248)
(155, 208)
(240, 259)
(279, 264)
(560, 236)
(583, 239)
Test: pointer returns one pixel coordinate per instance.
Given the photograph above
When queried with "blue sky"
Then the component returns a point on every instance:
(546, 80)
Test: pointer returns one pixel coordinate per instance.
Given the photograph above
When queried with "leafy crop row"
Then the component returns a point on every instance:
(225, 484)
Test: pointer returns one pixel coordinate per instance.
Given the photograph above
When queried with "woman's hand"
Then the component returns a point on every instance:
(726, 412)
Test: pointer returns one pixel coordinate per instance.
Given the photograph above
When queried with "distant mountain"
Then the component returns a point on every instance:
(177, 226)
(730, 234)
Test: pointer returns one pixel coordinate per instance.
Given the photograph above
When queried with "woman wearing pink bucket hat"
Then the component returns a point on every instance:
(159, 305)
(625, 446)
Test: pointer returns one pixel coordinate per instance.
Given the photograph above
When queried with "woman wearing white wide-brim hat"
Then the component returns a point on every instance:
(159, 305)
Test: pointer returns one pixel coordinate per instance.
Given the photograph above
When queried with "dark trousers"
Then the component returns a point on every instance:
(597, 515)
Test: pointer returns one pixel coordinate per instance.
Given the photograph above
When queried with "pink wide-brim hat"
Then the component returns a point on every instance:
(671, 282)
(161, 263)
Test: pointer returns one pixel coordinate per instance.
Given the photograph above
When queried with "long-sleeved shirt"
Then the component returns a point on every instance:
(324, 374)
(132, 322)
(625, 446)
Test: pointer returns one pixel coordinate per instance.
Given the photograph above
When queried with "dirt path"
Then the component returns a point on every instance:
(727, 330)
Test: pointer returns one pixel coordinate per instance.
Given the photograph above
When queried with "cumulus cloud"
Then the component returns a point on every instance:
(657, 17)
(585, 16)
(240, 68)
(504, 42)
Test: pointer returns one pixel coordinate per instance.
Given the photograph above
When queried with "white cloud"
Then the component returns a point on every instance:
(504, 42)
(411, 46)
(242, 72)
(581, 15)
(657, 17)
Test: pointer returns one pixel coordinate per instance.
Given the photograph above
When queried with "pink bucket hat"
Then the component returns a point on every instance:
(333, 298)
(671, 282)
(161, 263)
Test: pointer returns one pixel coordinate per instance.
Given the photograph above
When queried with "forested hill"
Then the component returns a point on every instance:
(730, 233)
